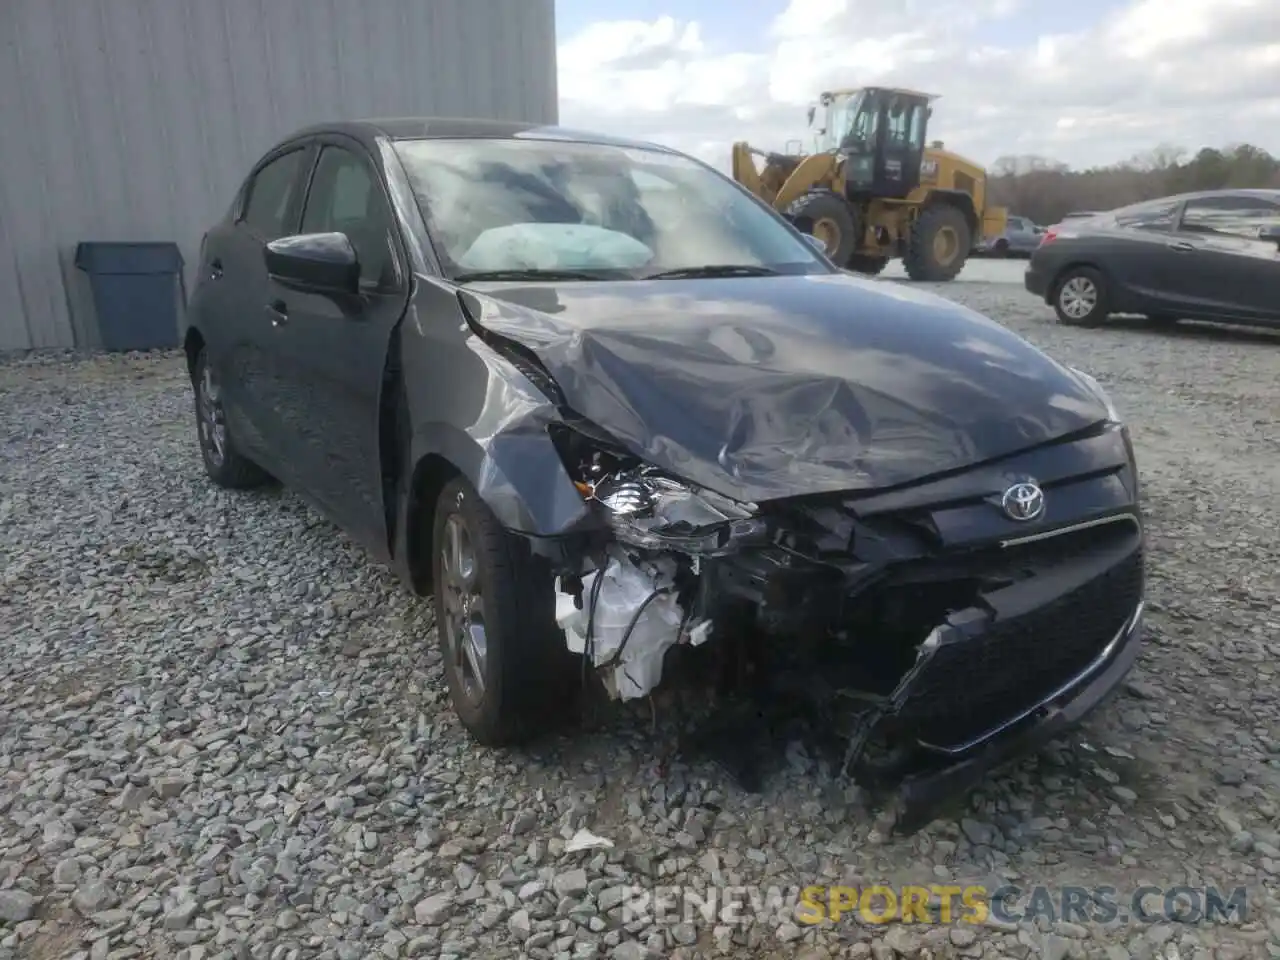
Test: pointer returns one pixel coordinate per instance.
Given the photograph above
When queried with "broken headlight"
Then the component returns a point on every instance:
(650, 510)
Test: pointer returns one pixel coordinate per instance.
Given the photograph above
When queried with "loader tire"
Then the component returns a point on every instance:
(829, 218)
(864, 263)
(938, 245)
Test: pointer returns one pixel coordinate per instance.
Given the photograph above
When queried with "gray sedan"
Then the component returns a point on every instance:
(1199, 256)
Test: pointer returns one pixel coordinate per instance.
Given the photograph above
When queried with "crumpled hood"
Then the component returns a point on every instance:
(768, 387)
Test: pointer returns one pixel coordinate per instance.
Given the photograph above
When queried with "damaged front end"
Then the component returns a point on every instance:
(932, 636)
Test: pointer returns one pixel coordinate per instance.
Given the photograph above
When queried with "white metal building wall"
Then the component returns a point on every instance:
(135, 119)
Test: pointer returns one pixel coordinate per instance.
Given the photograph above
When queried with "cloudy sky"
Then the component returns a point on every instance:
(1082, 81)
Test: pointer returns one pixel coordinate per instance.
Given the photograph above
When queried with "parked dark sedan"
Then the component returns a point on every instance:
(610, 410)
(1197, 256)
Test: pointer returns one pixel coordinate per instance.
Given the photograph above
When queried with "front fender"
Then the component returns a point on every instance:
(517, 472)
(471, 406)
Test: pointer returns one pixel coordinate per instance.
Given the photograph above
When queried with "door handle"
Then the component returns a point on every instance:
(1181, 246)
(215, 268)
(278, 311)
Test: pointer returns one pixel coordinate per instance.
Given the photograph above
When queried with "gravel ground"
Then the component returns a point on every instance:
(223, 731)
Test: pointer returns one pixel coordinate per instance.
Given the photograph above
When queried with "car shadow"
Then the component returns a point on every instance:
(1197, 330)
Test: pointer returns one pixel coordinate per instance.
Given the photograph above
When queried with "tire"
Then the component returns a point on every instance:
(1080, 297)
(836, 213)
(923, 261)
(223, 462)
(872, 266)
(524, 668)
(1002, 248)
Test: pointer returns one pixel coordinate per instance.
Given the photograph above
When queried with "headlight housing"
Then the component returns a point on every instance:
(1112, 413)
(647, 509)
(1114, 416)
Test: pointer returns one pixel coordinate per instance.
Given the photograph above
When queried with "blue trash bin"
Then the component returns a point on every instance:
(137, 289)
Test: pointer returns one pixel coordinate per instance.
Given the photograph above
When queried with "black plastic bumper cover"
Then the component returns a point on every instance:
(1036, 283)
(924, 794)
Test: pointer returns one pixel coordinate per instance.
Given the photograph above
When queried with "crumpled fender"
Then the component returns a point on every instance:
(488, 420)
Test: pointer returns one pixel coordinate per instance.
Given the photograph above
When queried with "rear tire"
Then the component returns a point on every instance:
(871, 266)
(834, 222)
(938, 245)
(505, 659)
(1080, 297)
(1002, 248)
(223, 461)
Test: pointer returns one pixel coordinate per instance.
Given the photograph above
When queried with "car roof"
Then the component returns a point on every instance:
(438, 128)
(1259, 193)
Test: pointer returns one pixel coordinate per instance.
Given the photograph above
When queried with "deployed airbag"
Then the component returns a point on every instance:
(554, 246)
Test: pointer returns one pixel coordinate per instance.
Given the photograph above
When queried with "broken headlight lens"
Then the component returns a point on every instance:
(1112, 413)
(649, 510)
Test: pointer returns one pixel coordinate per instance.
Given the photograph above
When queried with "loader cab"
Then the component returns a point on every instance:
(880, 132)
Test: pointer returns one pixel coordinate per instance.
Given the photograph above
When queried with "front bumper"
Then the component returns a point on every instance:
(923, 795)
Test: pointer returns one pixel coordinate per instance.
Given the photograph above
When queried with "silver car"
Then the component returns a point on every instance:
(1020, 239)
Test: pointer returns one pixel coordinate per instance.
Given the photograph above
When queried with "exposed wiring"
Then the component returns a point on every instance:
(588, 643)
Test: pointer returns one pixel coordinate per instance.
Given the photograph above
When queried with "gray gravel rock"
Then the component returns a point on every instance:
(224, 733)
(434, 910)
(16, 906)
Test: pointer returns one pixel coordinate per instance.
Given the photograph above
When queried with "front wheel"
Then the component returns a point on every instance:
(1080, 299)
(833, 220)
(505, 660)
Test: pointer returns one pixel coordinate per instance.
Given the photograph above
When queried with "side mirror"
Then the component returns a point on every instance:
(314, 262)
(1270, 234)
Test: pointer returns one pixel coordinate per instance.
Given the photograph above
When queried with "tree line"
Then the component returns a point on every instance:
(1045, 190)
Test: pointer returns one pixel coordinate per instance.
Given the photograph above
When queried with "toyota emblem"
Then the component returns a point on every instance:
(1023, 501)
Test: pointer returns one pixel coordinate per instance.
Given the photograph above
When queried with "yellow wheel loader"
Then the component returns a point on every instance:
(873, 190)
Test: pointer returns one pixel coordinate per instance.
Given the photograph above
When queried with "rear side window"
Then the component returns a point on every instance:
(1156, 215)
(270, 194)
(1238, 216)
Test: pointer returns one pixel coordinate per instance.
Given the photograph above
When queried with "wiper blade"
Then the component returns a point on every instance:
(525, 275)
(714, 270)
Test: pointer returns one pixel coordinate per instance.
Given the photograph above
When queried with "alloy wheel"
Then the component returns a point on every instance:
(1078, 297)
(466, 640)
(212, 419)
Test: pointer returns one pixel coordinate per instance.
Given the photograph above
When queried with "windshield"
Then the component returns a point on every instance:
(839, 121)
(851, 123)
(594, 210)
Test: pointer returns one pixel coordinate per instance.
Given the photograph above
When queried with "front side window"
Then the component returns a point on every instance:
(270, 194)
(846, 120)
(1232, 216)
(345, 198)
(615, 212)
